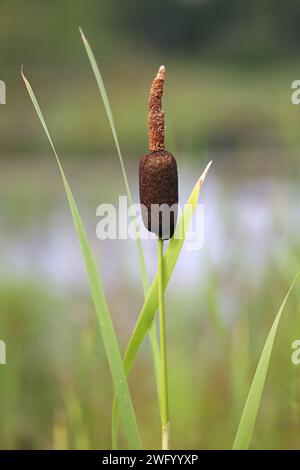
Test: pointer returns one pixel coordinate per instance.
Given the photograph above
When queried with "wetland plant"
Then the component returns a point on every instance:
(158, 182)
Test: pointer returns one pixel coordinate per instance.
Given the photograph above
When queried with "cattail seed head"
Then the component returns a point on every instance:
(158, 178)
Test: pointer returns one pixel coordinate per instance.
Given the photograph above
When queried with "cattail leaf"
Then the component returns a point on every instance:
(247, 422)
(151, 303)
(145, 280)
(108, 110)
(101, 307)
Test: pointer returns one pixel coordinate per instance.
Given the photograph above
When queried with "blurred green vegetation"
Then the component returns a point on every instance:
(230, 67)
(56, 391)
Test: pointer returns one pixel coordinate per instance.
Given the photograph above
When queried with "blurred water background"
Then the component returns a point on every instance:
(230, 66)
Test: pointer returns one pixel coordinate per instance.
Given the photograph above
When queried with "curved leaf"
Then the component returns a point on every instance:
(101, 307)
(151, 303)
(246, 426)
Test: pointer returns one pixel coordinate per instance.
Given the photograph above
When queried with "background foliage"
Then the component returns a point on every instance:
(230, 67)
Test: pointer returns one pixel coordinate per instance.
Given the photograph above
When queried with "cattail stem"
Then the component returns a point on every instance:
(163, 352)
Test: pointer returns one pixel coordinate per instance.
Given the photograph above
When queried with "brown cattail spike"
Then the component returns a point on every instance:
(156, 117)
(158, 176)
(158, 180)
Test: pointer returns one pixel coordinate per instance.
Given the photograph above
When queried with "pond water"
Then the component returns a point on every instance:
(248, 225)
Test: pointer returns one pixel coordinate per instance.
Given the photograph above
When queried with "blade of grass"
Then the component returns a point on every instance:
(246, 426)
(101, 307)
(151, 303)
(170, 259)
(108, 110)
(145, 280)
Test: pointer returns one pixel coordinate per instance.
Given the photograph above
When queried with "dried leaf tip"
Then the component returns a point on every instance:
(156, 118)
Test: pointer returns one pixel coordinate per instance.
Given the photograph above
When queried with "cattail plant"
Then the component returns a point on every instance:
(158, 186)
(158, 181)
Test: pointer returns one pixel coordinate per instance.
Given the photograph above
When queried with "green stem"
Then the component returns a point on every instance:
(163, 352)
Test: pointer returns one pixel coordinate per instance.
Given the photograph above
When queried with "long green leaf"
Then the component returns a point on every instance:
(151, 303)
(143, 270)
(101, 307)
(108, 110)
(246, 426)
